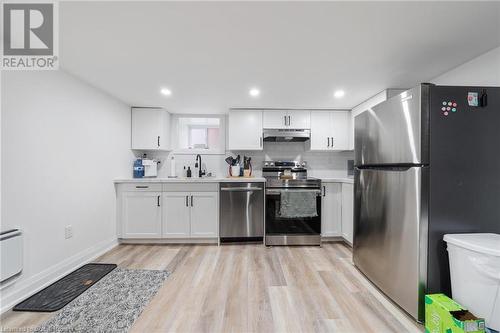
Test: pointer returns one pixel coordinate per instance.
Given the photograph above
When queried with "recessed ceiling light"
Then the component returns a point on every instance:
(254, 92)
(339, 93)
(166, 91)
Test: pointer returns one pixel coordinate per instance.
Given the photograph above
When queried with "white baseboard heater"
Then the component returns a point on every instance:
(11, 253)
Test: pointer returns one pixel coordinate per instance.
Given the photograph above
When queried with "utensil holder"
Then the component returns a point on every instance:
(234, 171)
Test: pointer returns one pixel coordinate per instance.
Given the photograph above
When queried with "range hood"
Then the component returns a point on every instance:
(286, 135)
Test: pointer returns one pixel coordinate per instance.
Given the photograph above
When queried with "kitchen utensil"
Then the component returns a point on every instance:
(246, 162)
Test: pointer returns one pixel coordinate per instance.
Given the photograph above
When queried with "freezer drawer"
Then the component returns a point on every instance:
(388, 232)
(241, 211)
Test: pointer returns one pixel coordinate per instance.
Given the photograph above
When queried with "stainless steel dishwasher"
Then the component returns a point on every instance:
(241, 212)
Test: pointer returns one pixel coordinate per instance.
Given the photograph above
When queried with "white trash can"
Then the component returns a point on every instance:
(475, 274)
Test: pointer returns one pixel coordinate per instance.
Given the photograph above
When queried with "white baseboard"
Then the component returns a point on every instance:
(335, 239)
(331, 238)
(32, 285)
(168, 241)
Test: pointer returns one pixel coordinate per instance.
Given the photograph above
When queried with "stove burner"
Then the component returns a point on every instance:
(288, 174)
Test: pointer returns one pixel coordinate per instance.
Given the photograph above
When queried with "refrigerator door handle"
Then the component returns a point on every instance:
(388, 167)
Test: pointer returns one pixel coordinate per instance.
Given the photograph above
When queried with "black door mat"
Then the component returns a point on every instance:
(66, 289)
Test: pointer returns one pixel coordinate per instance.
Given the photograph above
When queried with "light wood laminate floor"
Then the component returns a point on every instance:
(251, 288)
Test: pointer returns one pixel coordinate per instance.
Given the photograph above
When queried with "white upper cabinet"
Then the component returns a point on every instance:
(299, 119)
(275, 119)
(330, 130)
(245, 130)
(341, 129)
(287, 119)
(150, 129)
(321, 130)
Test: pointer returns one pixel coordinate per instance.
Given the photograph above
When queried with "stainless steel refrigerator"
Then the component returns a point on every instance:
(427, 163)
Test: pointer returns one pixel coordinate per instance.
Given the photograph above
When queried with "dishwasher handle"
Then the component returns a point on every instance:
(241, 189)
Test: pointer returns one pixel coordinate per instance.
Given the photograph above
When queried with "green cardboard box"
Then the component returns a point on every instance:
(444, 315)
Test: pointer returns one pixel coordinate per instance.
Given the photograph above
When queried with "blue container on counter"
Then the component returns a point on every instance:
(138, 168)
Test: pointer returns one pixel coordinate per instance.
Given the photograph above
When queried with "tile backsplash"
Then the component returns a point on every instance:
(320, 164)
(350, 168)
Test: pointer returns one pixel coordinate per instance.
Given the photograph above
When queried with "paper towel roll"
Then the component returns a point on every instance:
(172, 167)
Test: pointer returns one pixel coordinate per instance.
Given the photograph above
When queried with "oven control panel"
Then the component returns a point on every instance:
(285, 164)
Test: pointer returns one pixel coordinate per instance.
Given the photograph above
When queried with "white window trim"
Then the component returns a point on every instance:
(175, 135)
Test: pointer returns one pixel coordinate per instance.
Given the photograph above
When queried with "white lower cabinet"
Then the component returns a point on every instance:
(190, 214)
(331, 210)
(337, 210)
(347, 211)
(175, 220)
(141, 214)
(204, 214)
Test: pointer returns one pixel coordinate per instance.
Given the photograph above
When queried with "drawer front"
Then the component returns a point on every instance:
(191, 187)
(142, 187)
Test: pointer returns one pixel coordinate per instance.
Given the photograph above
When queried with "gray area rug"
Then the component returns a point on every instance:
(111, 305)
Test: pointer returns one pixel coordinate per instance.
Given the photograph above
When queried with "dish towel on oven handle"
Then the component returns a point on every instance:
(298, 204)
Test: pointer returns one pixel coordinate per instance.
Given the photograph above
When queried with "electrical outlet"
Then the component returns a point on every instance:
(68, 231)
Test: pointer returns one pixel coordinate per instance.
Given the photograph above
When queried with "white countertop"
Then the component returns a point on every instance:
(191, 180)
(218, 180)
(347, 180)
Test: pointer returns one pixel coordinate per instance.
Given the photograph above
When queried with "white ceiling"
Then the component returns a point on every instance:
(209, 54)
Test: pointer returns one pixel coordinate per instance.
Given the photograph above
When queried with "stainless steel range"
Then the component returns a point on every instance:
(293, 204)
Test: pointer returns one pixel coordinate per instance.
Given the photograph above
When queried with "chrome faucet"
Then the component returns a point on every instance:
(200, 172)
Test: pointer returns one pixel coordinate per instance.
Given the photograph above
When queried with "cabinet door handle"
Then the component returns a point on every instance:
(324, 191)
(332, 142)
(141, 186)
(289, 120)
(284, 119)
(158, 201)
(158, 141)
(191, 201)
(260, 142)
(187, 204)
(328, 141)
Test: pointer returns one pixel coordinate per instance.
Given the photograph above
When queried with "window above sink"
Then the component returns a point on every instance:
(198, 134)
